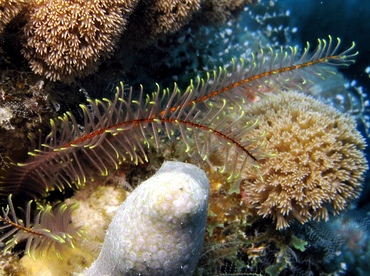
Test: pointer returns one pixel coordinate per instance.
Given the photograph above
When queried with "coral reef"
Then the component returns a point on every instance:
(205, 123)
(25, 105)
(97, 206)
(317, 162)
(119, 130)
(213, 118)
(66, 39)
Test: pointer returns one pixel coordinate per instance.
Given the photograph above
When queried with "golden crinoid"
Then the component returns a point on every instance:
(65, 39)
(317, 161)
(8, 10)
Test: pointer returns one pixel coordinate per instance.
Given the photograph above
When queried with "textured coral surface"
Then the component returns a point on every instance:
(317, 159)
(63, 39)
(9, 9)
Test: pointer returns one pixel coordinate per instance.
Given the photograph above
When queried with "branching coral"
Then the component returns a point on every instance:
(318, 162)
(63, 39)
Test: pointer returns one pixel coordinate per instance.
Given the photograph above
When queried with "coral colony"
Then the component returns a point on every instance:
(62, 45)
(262, 156)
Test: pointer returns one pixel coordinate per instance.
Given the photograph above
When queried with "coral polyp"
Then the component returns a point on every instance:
(317, 163)
(73, 37)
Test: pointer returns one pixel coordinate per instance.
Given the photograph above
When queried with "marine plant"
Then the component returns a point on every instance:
(208, 116)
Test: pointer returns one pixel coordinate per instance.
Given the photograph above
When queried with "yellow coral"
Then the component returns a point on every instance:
(63, 39)
(318, 159)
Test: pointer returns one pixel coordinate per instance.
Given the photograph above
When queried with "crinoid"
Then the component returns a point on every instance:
(49, 229)
(117, 130)
(206, 117)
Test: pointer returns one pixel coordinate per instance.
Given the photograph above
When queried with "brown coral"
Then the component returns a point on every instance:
(64, 39)
(67, 39)
(318, 161)
(219, 11)
(153, 18)
(9, 9)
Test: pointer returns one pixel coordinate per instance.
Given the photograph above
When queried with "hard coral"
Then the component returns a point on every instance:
(64, 39)
(317, 162)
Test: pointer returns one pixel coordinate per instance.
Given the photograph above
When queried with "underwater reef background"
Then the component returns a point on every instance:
(317, 18)
(179, 41)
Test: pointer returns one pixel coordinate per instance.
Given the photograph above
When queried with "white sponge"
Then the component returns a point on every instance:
(159, 229)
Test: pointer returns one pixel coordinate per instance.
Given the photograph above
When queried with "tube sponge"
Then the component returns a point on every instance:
(159, 229)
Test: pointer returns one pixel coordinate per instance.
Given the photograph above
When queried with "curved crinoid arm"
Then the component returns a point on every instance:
(72, 153)
(271, 70)
(50, 228)
(205, 116)
(122, 130)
